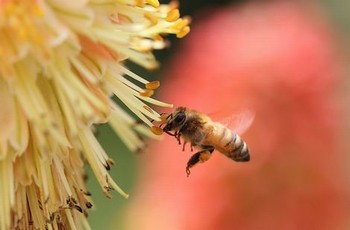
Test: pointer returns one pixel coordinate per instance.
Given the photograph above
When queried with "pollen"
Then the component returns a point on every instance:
(140, 3)
(179, 24)
(38, 11)
(154, 3)
(152, 18)
(173, 15)
(156, 130)
(152, 85)
(183, 32)
(164, 117)
(157, 37)
(147, 93)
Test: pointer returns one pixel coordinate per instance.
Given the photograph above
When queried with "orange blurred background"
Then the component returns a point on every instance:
(280, 59)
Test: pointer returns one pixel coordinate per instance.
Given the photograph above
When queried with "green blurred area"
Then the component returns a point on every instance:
(124, 171)
(106, 210)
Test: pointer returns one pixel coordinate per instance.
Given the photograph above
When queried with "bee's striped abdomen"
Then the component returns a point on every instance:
(239, 151)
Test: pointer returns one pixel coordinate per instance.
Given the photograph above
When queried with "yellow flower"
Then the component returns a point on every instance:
(60, 63)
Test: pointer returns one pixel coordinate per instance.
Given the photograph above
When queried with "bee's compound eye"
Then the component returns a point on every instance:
(180, 118)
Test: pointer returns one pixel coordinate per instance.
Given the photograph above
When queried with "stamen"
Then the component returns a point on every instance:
(153, 3)
(173, 15)
(152, 85)
(148, 109)
(147, 93)
(152, 18)
(183, 32)
(140, 3)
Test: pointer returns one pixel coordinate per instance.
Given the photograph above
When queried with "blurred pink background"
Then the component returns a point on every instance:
(280, 60)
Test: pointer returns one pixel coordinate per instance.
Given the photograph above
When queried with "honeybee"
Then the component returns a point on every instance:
(205, 135)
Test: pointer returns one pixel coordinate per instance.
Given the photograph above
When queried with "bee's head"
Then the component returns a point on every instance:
(176, 120)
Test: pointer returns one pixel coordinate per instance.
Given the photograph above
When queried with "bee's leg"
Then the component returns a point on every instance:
(170, 134)
(183, 147)
(177, 136)
(208, 150)
(201, 156)
(192, 162)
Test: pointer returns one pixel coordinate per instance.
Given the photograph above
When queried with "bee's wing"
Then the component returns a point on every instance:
(238, 121)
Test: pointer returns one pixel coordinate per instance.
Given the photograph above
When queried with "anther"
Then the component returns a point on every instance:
(153, 3)
(151, 18)
(183, 32)
(152, 85)
(147, 93)
(156, 130)
(173, 15)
